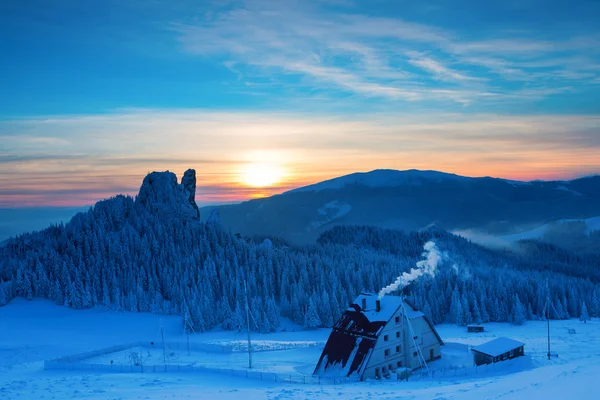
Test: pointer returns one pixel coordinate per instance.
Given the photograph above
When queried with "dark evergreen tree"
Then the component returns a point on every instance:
(584, 316)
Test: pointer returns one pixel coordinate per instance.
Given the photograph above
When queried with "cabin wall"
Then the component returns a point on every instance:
(425, 339)
(405, 357)
(480, 358)
(379, 361)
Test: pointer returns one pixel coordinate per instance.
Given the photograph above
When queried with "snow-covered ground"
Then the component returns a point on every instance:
(34, 331)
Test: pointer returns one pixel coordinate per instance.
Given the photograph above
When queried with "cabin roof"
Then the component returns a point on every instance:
(389, 306)
(498, 346)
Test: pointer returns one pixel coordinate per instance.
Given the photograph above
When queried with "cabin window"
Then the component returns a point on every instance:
(399, 364)
(397, 349)
(383, 371)
(398, 334)
(415, 337)
(415, 354)
(386, 352)
(391, 367)
(397, 320)
(377, 374)
(385, 338)
(512, 353)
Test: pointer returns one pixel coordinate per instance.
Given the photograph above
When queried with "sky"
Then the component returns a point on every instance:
(261, 96)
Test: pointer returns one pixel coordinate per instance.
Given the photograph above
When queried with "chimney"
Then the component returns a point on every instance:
(364, 303)
(377, 305)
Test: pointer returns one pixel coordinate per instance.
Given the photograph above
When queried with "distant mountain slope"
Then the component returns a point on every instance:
(414, 199)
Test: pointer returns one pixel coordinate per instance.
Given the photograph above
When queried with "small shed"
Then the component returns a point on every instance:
(475, 328)
(499, 349)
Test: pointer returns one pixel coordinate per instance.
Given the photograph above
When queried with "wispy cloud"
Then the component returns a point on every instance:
(342, 49)
(438, 69)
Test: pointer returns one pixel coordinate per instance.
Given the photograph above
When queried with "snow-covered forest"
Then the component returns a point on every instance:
(126, 255)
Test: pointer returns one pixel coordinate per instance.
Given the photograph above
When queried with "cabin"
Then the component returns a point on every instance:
(497, 350)
(475, 328)
(376, 337)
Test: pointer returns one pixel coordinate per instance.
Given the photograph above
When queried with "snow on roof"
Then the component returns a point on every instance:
(389, 306)
(498, 346)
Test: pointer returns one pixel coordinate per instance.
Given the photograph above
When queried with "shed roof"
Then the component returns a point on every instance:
(498, 346)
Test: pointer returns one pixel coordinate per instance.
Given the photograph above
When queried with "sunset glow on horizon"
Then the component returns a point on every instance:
(261, 97)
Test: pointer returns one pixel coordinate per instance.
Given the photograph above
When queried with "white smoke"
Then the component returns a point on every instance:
(427, 266)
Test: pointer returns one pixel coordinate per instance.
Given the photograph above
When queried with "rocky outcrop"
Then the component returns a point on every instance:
(160, 193)
(188, 186)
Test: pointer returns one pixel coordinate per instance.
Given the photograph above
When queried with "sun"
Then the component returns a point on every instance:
(262, 174)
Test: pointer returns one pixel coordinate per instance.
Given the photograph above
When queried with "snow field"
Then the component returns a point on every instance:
(34, 331)
(291, 361)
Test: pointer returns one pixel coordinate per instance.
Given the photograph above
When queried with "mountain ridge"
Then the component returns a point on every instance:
(412, 199)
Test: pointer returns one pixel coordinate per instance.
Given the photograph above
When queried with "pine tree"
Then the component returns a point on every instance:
(467, 316)
(427, 310)
(584, 316)
(3, 297)
(485, 317)
(237, 319)
(595, 306)
(530, 315)
(311, 318)
(476, 312)
(56, 294)
(519, 314)
(226, 314)
(456, 311)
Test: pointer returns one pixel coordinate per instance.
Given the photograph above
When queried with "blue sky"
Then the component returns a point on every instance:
(413, 75)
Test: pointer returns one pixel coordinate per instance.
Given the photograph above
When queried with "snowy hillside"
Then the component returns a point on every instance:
(34, 331)
(411, 200)
(382, 178)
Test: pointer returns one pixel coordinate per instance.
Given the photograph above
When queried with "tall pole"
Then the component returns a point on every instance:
(188, 341)
(248, 321)
(162, 334)
(548, 314)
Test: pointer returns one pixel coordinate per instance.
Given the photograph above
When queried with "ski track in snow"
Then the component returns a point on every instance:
(31, 332)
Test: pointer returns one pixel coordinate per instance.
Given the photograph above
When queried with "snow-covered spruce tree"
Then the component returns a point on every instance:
(3, 296)
(311, 318)
(467, 316)
(595, 304)
(584, 316)
(427, 311)
(456, 311)
(519, 314)
(237, 318)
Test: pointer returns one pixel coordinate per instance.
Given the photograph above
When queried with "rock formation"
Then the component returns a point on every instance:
(160, 193)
